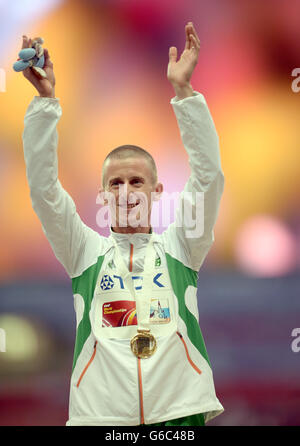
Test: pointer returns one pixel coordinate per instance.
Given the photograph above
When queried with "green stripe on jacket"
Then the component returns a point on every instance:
(85, 286)
(181, 277)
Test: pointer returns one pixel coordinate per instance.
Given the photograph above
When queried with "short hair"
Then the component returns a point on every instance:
(127, 151)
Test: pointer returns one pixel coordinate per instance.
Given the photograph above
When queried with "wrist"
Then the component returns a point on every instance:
(183, 91)
(48, 95)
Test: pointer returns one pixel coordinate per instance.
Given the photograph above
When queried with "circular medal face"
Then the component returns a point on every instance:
(143, 344)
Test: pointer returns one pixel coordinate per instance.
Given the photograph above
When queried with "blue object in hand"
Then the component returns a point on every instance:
(32, 57)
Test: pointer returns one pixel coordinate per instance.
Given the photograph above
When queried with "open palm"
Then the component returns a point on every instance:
(180, 72)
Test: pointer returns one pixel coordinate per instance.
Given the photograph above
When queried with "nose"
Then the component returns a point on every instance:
(126, 193)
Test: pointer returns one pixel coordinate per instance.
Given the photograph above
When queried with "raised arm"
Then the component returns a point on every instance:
(75, 245)
(202, 193)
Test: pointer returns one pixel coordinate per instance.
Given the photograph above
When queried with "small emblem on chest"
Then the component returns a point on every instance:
(106, 283)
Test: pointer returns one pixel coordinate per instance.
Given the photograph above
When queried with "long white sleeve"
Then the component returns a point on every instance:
(201, 142)
(71, 240)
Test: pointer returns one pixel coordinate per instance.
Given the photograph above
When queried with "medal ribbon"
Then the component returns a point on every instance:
(143, 298)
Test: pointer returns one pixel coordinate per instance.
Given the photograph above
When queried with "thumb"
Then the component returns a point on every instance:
(173, 53)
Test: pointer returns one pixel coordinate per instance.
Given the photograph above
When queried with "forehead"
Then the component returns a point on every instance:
(126, 167)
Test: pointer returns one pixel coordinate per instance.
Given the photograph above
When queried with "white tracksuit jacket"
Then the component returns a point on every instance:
(109, 385)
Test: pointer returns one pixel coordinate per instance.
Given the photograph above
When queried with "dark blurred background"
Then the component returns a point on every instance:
(110, 59)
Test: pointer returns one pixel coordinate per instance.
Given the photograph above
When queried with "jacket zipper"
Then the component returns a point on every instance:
(131, 257)
(187, 354)
(87, 365)
(138, 359)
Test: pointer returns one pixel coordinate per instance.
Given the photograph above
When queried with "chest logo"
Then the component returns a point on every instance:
(106, 283)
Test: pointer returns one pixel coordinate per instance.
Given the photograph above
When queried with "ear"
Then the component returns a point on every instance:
(158, 192)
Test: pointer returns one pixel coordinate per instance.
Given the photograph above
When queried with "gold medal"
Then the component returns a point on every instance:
(143, 344)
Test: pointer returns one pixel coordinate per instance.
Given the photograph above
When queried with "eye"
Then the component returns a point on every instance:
(115, 183)
(136, 181)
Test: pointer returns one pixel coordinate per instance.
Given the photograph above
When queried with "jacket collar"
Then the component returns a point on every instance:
(137, 239)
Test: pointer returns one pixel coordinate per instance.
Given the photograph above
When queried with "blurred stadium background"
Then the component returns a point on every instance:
(110, 59)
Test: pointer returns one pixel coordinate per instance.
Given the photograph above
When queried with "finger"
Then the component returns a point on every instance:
(24, 42)
(195, 43)
(30, 75)
(48, 62)
(172, 54)
(187, 42)
(47, 55)
(193, 31)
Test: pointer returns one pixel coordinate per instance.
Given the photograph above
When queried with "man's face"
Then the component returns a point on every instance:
(130, 181)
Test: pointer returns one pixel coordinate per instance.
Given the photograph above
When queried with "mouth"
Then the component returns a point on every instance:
(129, 206)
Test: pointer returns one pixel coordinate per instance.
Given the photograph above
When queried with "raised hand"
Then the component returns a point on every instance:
(45, 87)
(180, 72)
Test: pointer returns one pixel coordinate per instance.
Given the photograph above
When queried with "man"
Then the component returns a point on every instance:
(139, 355)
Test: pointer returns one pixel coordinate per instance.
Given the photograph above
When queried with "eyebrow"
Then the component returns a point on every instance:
(135, 177)
(114, 179)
